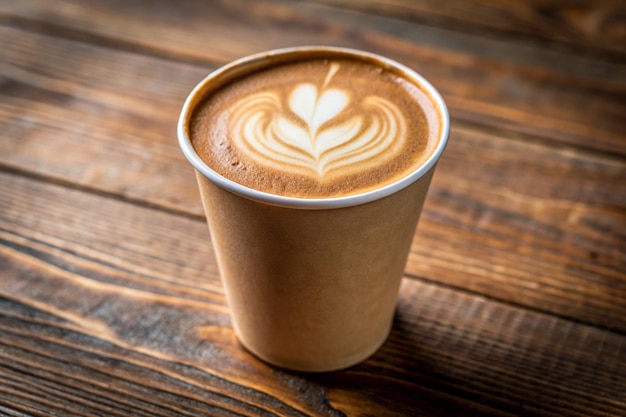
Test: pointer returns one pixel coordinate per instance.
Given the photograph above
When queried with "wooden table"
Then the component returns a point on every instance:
(514, 299)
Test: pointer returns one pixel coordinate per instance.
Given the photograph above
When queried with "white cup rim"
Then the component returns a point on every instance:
(264, 58)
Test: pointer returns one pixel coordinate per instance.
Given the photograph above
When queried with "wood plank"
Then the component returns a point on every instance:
(498, 202)
(553, 95)
(94, 320)
(596, 28)
(517, 221)
(108, 117)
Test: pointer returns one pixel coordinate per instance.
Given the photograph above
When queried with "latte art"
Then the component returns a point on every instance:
(307, 131)
(316, 128)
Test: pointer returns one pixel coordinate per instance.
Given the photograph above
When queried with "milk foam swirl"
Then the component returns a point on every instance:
(312, 132)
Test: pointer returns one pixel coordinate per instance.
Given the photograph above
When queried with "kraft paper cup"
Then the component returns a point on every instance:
(311, 283)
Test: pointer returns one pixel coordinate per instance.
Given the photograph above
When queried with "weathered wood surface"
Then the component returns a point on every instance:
(520, 87)
(566, 203)
(126, 318)
(514, 301)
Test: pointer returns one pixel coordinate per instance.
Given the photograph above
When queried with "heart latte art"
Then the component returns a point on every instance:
(316, 128)
(309, 132)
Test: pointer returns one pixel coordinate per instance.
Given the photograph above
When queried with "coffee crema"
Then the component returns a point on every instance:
(316, 128)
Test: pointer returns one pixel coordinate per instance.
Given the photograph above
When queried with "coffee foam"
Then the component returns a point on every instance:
(316, 128)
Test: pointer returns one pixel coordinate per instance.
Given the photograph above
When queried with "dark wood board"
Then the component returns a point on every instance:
(68, 122)
(513, 301)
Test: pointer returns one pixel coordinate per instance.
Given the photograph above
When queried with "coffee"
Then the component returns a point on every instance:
(313, 164)
(316, 128)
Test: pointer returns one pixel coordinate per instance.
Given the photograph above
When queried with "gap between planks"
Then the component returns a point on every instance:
(92, 190)
(513, 304)
(452, 17)
(71, 34)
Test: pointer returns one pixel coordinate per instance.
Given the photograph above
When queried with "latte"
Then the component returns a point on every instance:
(318, 127)
(313, 164)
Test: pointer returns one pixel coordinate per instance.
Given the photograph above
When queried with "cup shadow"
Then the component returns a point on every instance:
(400, 379)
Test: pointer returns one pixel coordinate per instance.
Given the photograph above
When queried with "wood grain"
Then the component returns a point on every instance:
(110, 325)
(518, 220)
(597, 28)
(497, 202)
(514, 298)
(101, 116)
(528, 89)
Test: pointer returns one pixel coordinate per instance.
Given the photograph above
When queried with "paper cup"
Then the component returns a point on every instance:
(311, 283)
